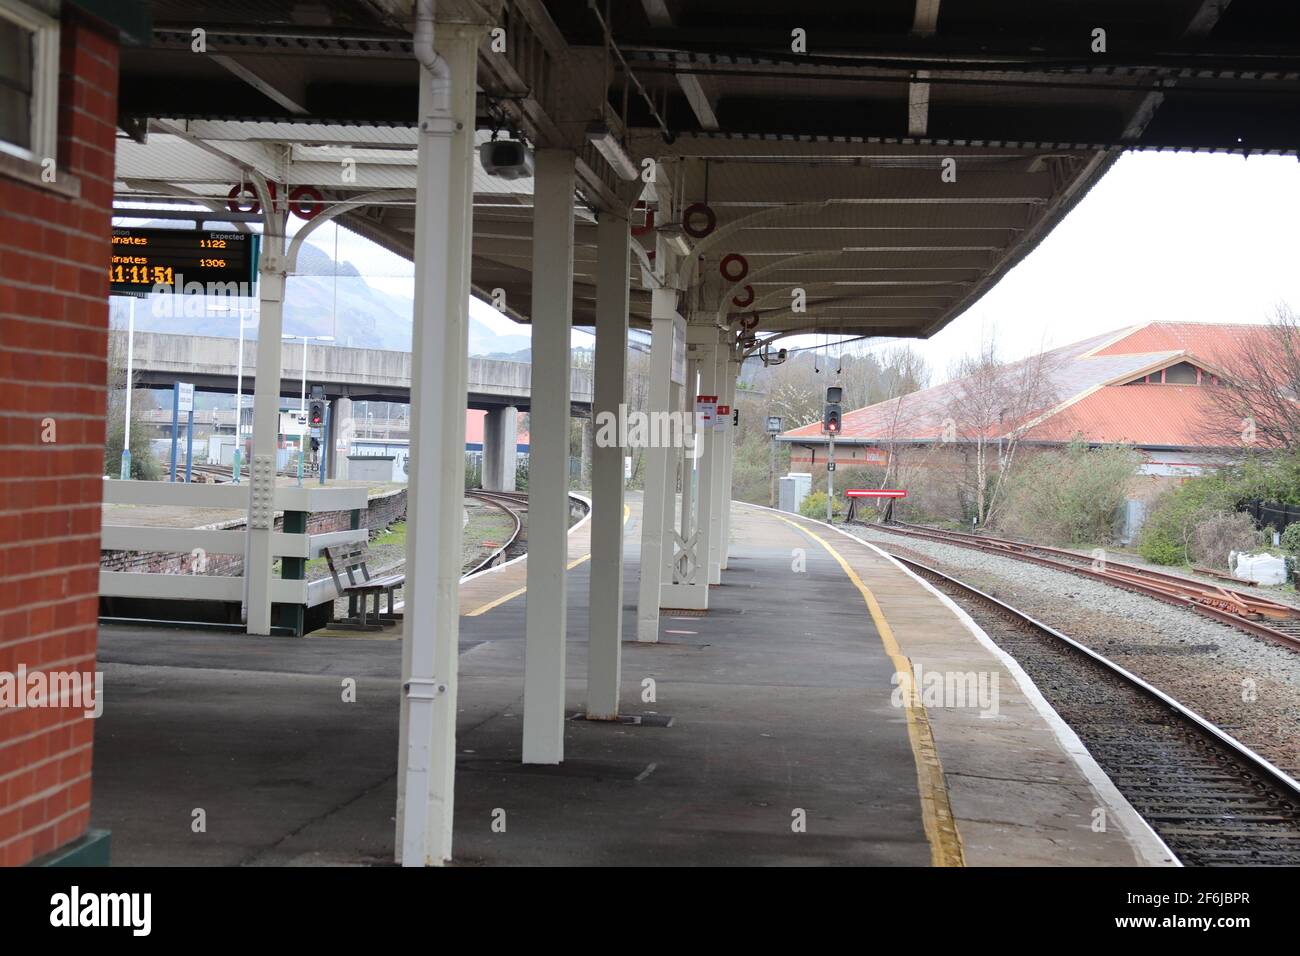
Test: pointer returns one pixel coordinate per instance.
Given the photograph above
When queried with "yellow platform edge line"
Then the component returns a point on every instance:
(497, 602)
(936, 809)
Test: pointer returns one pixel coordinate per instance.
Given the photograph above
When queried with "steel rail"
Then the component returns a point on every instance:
(503, 502)
(1273, 775)
(1262, 605)
(1129, 581)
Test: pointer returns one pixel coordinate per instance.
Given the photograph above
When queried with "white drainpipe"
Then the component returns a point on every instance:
(429, 58)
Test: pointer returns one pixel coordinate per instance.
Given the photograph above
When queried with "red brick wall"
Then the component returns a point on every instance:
(53, 346)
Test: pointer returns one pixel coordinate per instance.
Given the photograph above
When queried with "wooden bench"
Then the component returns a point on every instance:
(351, 559)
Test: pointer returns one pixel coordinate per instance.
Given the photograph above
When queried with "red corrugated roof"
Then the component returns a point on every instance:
(1217, 344)
(1092, 400)
(1169, 415)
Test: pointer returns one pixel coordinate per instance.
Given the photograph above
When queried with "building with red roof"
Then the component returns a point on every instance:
(1146, 386)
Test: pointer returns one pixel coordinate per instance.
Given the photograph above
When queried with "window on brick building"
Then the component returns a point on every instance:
(29, 81)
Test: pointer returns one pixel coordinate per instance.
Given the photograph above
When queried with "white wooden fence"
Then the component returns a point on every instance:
(213, 587)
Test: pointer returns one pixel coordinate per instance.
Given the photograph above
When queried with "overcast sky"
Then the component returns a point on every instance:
(1163, 236)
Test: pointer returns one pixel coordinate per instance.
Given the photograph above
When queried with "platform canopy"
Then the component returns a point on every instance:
(890, 160)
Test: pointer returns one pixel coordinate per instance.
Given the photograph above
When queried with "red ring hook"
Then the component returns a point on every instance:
(296, 204)
(234, 204)
(734, 257)
(749, 300)
(699, 208)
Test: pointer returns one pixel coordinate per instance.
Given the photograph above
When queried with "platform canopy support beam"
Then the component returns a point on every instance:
(709, 464)
(548, 457)
(656, 511)
(273, 267)
(727, 436)
(436, 477)
(605, 624)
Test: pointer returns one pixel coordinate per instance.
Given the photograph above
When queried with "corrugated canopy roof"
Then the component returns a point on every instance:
(823, 165)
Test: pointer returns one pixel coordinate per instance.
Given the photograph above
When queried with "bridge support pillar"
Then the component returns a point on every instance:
(342, 430)
(548, 457)
(500, 448)
(436, 469)
(605, 605)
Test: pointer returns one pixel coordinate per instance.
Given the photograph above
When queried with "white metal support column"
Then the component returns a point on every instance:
(272, 269)
(705, 545)
(722, 365)
(676, 459)
(656, 515)
(430, 644)
(548, 461)
(730, 372)
(605, 603)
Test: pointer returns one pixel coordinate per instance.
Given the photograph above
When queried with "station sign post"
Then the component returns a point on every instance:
(774, 423)
(182, 401)
(706, 411)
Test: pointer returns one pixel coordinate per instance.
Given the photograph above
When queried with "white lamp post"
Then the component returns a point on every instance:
(125, 473)
(305, 340)
(302, 447)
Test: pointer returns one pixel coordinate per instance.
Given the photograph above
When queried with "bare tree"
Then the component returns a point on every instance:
(994, 404)
(796, 394)
(902, 371)
(1257, 402)
(638, 399)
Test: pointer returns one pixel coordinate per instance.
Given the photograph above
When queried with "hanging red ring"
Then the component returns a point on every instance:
(649, 220)
(296, 204)
(751, 322)
(735, 300)
(711, 220)
(234, 204)
(734, 257)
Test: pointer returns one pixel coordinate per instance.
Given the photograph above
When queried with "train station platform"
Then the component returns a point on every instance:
(763, 731)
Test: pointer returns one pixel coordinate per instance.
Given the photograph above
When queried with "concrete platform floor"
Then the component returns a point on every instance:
(780, 709)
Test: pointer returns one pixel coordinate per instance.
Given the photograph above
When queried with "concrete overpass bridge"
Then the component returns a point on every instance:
(357, 374)
(500, 388)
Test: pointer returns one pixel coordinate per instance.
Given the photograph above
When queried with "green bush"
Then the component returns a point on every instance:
(1070, 497)
(1291, 539)
(1168, 534)
(814, 506)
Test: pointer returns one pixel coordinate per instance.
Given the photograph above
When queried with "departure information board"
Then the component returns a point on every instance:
(144, 258)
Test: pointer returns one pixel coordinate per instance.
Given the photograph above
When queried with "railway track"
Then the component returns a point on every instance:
(1279, 623)
(514, 504)
(1211, 799)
